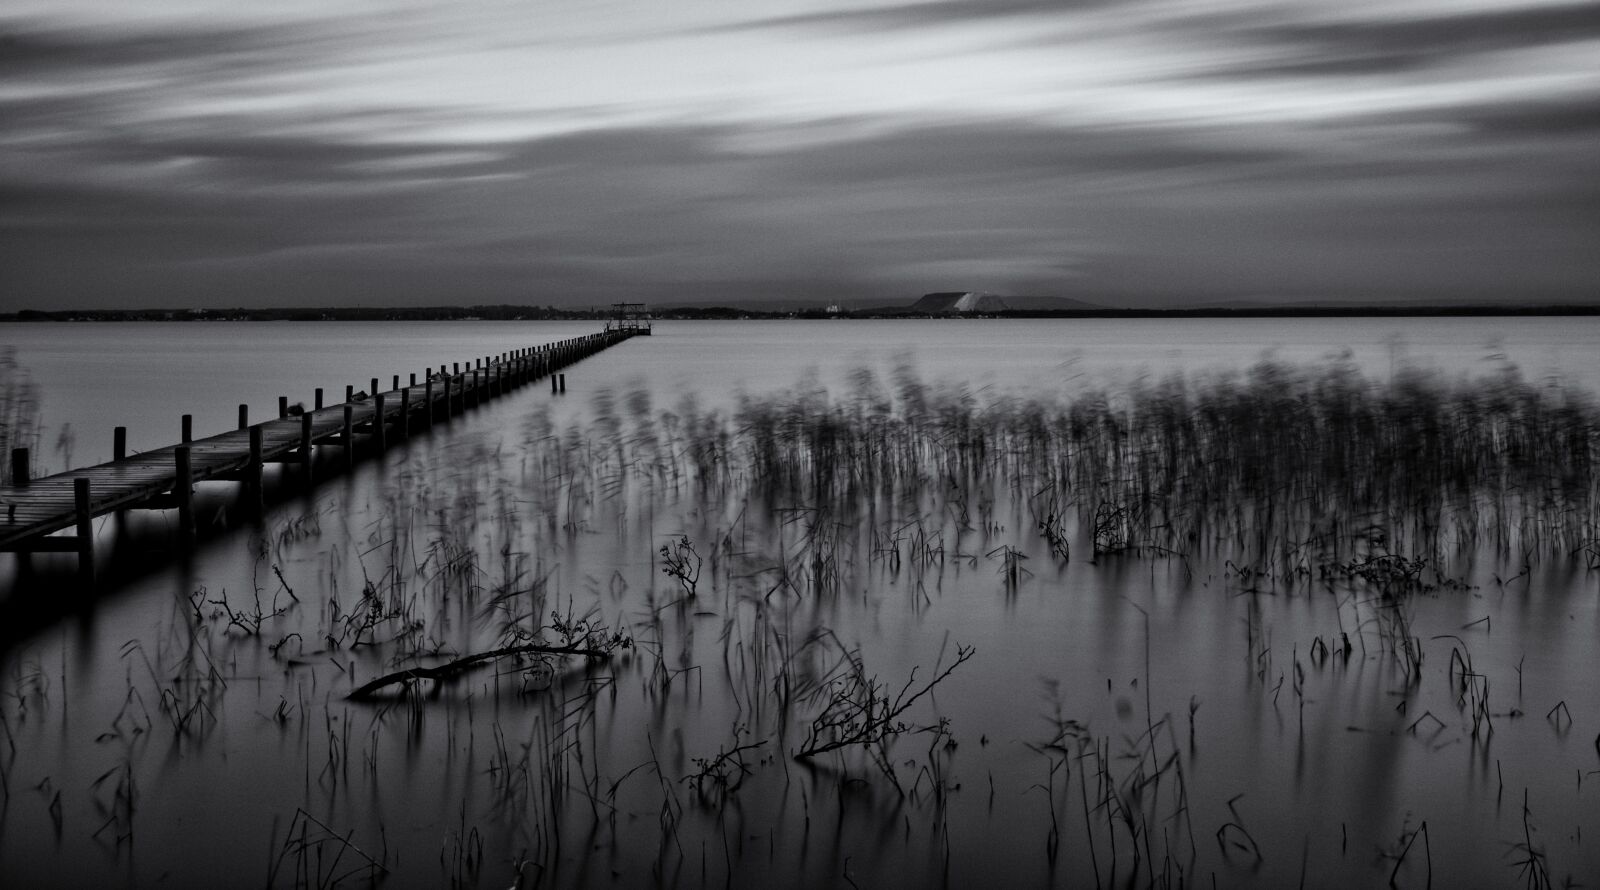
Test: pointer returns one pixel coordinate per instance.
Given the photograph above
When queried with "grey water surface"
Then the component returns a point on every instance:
(1131, 719)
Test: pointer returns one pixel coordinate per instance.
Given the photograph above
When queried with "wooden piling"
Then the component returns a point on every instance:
(427, 403)
(85, 528)
(378, 424)
(183, 493)
(244, 416)
(563, 383)
(305, 447)
(283, 407)
(20, 472)
(349, 441)
(119, 442)
(318, 401)
(405, 413)
(188, 429)
(253, 488)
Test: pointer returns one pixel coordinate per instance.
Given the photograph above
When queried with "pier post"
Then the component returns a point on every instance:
(283, 407)
(85, 528)
(374, 390)
(349, 440)
(552, 384)
(427, 403)
(188, 429)
(19, 466)
(183, 493)
(349, 392)
(405, 413)
(119, 443)
(563, 384)
(305, 447)
(252, 485)
(413, 378)
(244, 416)
(318, 401)
(396, 382)
(379, 430)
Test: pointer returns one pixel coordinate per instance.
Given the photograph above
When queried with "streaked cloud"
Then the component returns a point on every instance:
(1149, 151)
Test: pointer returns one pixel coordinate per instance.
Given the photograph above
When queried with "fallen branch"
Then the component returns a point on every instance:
(860, 712)
(450, 669)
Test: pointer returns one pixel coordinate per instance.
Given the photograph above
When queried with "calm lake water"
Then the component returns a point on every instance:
(144, 376)
(1122, 721)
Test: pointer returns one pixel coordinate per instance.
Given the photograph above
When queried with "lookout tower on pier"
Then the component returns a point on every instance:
(629, 317)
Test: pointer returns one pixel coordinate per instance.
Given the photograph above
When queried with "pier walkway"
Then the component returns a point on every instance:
(34, 511)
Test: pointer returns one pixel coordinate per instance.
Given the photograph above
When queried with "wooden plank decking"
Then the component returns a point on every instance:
(32, 513)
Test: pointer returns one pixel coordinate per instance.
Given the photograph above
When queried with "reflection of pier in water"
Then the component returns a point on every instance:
(32, 511)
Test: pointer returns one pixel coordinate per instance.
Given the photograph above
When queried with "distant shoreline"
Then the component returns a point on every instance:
(716, 313)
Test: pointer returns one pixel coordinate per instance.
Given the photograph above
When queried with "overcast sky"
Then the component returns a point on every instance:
(169, 153)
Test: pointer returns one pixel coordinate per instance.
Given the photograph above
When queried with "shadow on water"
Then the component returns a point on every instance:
(44, 588)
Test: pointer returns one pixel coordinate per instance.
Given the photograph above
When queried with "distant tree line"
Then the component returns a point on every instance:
(598, 313)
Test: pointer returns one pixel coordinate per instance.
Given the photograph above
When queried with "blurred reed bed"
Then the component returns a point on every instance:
(1281, 467)
(600, 648)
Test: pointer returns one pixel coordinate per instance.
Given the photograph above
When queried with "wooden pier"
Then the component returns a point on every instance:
(33, 512)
